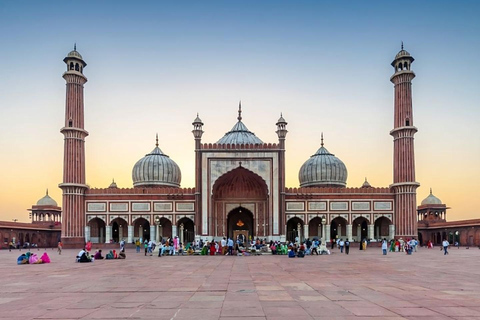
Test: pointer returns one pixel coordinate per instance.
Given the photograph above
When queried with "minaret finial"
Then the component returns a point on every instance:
(240, 111)
(156, 143)
(430, 190)
(75, 46)
(402, 45)
(322, 140)
(365, 179)
(47, 191)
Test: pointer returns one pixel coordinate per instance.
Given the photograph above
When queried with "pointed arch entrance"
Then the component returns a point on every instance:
(240, 194)
(240, 224)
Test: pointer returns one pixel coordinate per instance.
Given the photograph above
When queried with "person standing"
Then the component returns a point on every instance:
(224, 246)
(230, 246)
(384, 246)
(347, 246)
(341, 243)
(445, 244)
(137, 245)
(59, 247)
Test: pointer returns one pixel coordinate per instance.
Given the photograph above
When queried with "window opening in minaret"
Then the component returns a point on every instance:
(407, 122)
(70, 123)
(405, 66)
(76, 67)
(71, 66)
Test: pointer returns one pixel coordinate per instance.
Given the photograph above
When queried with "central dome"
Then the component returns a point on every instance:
(156, 169)
(323, 169)
(239, 133)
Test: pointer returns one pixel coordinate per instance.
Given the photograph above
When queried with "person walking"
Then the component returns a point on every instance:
(445, 244)
(137, 245)
(347, 246)
(384, 246)
(341, 243)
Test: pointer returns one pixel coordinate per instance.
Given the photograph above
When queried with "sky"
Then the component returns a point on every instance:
(325, 65)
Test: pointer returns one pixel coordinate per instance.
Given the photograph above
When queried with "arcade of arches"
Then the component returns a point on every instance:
(338, 228)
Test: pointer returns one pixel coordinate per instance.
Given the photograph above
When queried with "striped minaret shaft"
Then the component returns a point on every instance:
(404, 184)
(73, 185)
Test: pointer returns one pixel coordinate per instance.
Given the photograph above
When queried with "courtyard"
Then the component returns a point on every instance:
(361, 285)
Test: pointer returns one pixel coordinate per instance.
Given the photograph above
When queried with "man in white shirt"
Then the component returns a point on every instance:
(223, 242)
(445, 244)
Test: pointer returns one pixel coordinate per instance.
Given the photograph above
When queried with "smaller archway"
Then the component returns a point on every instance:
(97, 230)
(315, 228)
(294, 229)
(141, 229)
(338, 228)
(185, 227)
(164, 229)
(381, 228)
(360, 229)
(119, 229)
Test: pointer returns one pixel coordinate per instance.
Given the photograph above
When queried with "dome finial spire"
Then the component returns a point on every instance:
(402, 45)
(430, 190)
(321, 140)
(47, 192)
(156, 141)
(239, 111)
(75, 46)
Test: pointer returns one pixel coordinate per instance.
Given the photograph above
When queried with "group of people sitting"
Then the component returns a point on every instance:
(85, 256)
(32, 258)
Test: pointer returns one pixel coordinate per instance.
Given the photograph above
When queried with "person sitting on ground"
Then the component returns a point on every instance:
(98, 255)
(45, 258)
(34, 259)
(301, 251)
(23, 259)
(80, 254)
(122, 255)
(109, 255)
(115, 254)
(85, 257)
(291, 253)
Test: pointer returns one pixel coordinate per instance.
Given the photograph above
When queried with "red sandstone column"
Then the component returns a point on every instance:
(404, 185)
(73, 185)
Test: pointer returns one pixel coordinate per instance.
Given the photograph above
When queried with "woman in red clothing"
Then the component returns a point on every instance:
(212, 248)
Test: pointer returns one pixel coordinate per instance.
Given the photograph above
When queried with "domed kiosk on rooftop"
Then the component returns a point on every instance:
(239, 134)
(156, 169)
(47, 201)
(431, 199)
(323, 169)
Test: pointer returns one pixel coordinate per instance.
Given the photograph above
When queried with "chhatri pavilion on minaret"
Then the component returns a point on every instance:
(239, 184)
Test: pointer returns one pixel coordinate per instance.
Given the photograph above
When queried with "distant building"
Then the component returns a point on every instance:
(43, 231)
(239, 185)
(433, 225)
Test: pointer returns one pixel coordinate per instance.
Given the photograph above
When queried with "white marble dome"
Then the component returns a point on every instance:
(47, 201)
(323, 169)
(156, 169)
(74, 54)
(431, 199)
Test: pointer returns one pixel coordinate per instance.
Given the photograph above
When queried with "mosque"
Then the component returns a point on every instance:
(239, 189)
(239, 184)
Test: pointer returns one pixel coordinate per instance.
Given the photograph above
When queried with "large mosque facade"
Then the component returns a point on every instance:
(239, 184)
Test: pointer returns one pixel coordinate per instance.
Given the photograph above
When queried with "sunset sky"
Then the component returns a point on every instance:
(324, 64)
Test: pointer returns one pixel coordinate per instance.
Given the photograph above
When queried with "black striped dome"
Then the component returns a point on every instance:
(323, 169)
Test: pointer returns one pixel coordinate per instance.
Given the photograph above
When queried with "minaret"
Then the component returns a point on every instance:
(197, 134)
(73, 185)
(282, 134)
(404, 185)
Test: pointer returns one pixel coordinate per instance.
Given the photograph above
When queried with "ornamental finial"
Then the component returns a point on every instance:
(430, 190)
(75, 46)
(240, 111)
(322, 140)
(402, 45)
(156, 143)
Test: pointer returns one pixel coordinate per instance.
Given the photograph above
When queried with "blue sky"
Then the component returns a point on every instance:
(325, 64)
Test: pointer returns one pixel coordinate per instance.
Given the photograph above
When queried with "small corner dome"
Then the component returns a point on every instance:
(239, 134)
(323, 169)
(431, 199)
(156, 169)
(402, 53)
(75, 54)
(47, 201)
(366, 184)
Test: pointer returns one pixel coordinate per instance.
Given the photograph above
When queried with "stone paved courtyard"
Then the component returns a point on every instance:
(362, 285)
